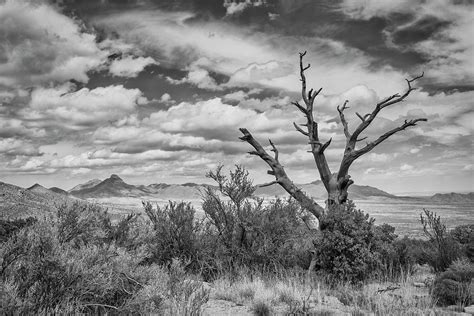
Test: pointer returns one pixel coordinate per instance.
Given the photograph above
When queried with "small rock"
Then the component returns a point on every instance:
(469, 309)
(419, 284)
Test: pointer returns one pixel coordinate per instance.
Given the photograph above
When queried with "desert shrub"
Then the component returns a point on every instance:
(81, 223)
(47, 273)
(175, 233)
(455, 286)
(349, 245)
(244, 231)
(261, 308)
(41, 273)
(9, 227)
(405, 255)
(464, 235)
(441, 249)
(125, 233)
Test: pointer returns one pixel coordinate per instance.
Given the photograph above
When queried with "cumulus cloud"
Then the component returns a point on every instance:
(84, 107)
(250, 58)
(236, 6)
(166, 97)
(198, 77)
(130, 66)
(444, 29)
(17, 147)
(39, 44)
(194, 118)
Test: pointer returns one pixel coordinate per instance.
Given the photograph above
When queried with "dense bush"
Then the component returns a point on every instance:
(351, 246)
(51, 267)
(175, 233)
(243, 230)
(9, 227)
(464, 235)
(441, 250)
(455, 286)
(78, 261)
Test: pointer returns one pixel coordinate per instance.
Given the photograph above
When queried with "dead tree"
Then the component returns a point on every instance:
(337, 183)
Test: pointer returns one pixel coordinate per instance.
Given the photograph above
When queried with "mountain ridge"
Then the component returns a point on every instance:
(114, 186)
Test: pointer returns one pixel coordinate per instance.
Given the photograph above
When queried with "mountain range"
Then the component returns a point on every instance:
(114, 186)
(19, 202)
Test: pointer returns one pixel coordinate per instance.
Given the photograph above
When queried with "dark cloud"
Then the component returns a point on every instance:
(419, 30)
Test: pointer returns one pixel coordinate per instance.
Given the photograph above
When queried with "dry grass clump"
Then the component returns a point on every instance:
(295, 296)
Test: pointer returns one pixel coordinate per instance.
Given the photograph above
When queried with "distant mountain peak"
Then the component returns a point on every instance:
(36, 186)
(115, 177)
(88, 184)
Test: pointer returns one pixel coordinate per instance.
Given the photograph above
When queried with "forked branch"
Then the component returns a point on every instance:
(312, 132)
(350, 152)
(379, 140)
(281, 178)
(343, 119)
(393, 99)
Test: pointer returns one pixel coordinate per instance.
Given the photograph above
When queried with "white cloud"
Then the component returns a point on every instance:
(378, 157)
(83, 107)
(187, 117)
(17, 147)
(450, 50)
(130, 66)
(406, 167)
(106, 157)
(199, 76)
(80, 171)
(236, 6)
(250, 58)
(39, 45)
(166, 97)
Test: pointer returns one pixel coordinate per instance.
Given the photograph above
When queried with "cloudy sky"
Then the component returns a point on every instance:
(155, 90)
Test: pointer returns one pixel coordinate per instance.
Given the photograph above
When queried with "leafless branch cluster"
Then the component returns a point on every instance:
(336, 184)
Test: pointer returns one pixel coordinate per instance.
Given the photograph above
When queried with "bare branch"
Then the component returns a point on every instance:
(363, 118)
(274, 149)
(326, 145)
(303, 78)
(396, 98)
(281, 177)
(299, 129)
(379, 140)
(267, 184)
(343, 119)
(302, 109)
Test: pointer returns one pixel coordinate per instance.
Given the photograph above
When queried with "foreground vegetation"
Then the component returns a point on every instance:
(245, 251)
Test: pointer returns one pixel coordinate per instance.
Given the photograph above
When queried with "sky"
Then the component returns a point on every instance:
(155, 90)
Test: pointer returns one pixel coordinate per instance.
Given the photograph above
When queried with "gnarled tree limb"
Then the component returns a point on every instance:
(343, 119)
(280, 175)
(350, 152)
(371, 145)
